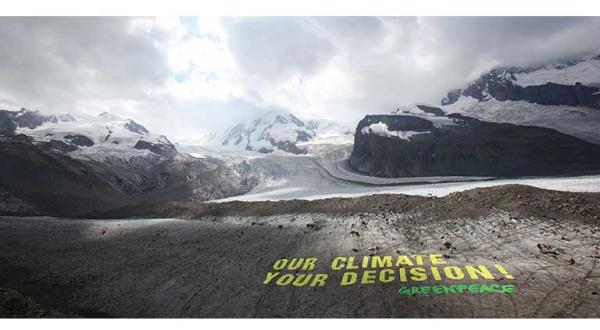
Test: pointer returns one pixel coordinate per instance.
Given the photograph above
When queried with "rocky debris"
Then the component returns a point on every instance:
(13, 205)
(467, 147)
(13, 304)
(217, 271)
(313, 226)
(469, 203)
(547, 249)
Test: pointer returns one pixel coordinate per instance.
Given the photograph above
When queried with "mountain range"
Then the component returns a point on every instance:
(87, 136)
(509, 122)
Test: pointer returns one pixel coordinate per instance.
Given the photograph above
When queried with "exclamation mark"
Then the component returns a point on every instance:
(503, 271)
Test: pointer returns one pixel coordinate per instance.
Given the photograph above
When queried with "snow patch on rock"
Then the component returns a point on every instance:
(381, 129)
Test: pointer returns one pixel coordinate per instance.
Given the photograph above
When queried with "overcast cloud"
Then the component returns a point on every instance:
(185, 77)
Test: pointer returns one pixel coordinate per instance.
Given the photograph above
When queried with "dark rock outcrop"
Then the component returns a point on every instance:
(469, 147)
(163, 149)
(132, 126)
(452, 96)
(432, 110)
(288, 147)
(80, 140)
(555, 94)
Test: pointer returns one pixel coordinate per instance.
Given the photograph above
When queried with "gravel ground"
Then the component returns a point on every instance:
(212, 259)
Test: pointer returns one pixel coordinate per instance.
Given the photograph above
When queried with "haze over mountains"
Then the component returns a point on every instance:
(560, 95)
(468, 135)
(422, 140)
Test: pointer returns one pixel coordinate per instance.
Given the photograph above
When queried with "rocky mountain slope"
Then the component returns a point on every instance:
(62, 165)
(408, 146)
(51, 182)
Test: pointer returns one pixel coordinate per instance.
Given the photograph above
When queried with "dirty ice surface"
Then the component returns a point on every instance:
(281, 192)
(324, 173)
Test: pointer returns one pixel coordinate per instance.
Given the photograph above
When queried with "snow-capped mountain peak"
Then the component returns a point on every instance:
(585, 71)
(562, 95)
(270, 131)
(282, 131)
(89, 136)
(107, 116)
(574, 82)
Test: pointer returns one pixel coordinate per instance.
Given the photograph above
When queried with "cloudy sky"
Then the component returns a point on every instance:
(187, 76)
